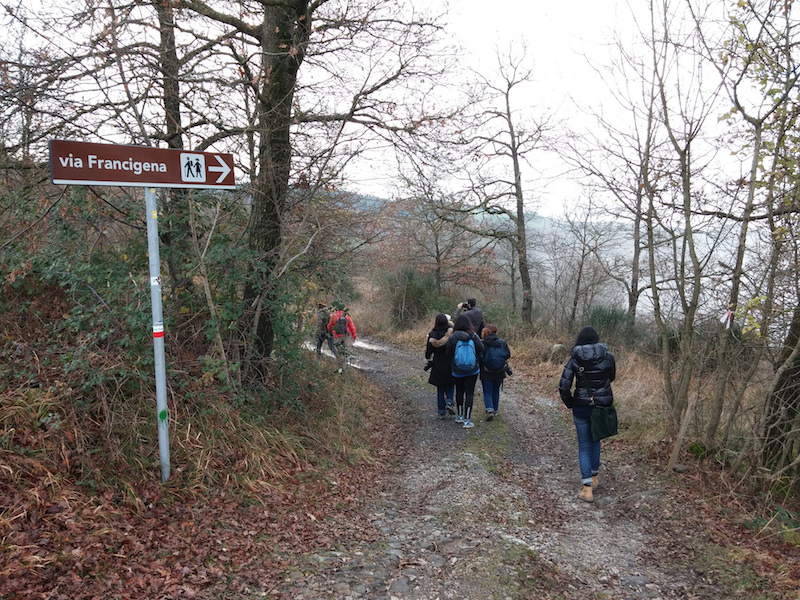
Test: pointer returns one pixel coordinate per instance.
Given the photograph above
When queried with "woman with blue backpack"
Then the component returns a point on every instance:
(464, 349)
(493, 369)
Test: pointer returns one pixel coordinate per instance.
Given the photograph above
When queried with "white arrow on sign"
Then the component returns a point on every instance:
(223, 169)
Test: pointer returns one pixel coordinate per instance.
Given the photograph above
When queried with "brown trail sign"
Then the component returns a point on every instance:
(85, 163)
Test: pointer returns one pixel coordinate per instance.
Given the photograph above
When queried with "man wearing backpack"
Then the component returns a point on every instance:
(343, 330)
(493, 369)
(464, 349)
(323, 318)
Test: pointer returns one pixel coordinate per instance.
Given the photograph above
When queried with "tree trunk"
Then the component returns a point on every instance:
(283, 37)
(782, 411)
(522, 236)
(633, 292)
(524, 273)
(174, 233)
(576, 296)
(724, 365)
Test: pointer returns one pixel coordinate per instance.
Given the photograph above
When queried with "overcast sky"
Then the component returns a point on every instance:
(566, 41)
(559, 37)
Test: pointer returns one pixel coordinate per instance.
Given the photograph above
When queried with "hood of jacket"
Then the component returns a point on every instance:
(461, 335)
(491, 340)
(439, 342)
(590, 354)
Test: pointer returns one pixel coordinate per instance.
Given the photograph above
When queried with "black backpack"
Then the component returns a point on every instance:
(341, 324)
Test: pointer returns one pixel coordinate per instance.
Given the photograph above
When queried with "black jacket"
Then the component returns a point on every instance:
(489, 341)
(599, 370)
(435, 349)
(475, 316)
(451, 348)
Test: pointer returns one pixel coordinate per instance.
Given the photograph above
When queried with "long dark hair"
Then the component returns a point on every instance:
(463, 324)
(441, 321)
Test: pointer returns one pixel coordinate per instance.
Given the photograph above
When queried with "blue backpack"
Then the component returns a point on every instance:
(465, 359)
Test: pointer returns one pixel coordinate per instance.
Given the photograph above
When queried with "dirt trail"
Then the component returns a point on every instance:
(492, 512)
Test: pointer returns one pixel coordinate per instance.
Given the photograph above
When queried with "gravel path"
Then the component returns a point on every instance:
(493, 513)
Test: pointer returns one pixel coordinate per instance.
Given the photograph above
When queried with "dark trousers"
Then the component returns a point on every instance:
(321, 337)
(465, 394)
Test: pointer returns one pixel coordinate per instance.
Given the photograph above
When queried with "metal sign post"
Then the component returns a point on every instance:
(85, 163)
(158, 330)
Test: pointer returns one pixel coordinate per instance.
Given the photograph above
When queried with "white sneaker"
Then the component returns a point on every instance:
(468, 424)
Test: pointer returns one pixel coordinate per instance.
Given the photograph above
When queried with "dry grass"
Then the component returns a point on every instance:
(414, 338)
(46, 439)
(638, 393)
(369, 316)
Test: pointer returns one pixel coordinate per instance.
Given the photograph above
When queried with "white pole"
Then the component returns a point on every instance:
(158, 331)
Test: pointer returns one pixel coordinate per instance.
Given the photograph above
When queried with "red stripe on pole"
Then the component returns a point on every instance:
(157, 334)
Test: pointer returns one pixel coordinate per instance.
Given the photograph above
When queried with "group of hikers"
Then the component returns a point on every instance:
(462, 350)
(457, 356)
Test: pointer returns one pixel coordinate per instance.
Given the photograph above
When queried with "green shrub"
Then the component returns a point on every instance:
(408, 295)
(615, 326)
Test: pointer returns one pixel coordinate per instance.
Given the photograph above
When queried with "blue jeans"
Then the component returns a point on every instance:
(444, 396)
(588, 450)
(491, 393)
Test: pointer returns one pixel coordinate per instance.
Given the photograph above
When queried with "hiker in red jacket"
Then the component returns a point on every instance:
(344, 332)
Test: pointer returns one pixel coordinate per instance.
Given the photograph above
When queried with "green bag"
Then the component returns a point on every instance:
(603, 422)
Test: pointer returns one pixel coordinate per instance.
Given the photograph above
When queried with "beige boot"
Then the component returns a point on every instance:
(586, 494)
(595, 482)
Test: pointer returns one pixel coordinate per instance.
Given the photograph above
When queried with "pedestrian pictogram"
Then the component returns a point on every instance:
(193, 168)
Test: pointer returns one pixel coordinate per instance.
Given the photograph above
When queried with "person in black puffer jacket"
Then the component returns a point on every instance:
(439, 364)
(592, 367)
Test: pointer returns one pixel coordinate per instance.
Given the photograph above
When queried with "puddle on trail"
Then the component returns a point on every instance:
(311, 347)
(543, 401)
(362, 363)
(371, 346)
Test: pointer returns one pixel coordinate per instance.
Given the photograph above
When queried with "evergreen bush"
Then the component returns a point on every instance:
(408, 295)
(615, 326)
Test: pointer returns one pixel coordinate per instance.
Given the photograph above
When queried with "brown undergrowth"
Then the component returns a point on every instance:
(83, 513)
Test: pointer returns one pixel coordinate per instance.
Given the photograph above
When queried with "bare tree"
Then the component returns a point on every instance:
(589, 240)
(758, 46)
(294, 89)
(672, 211)
(620, 161)
(502, 144)
(454, 254)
